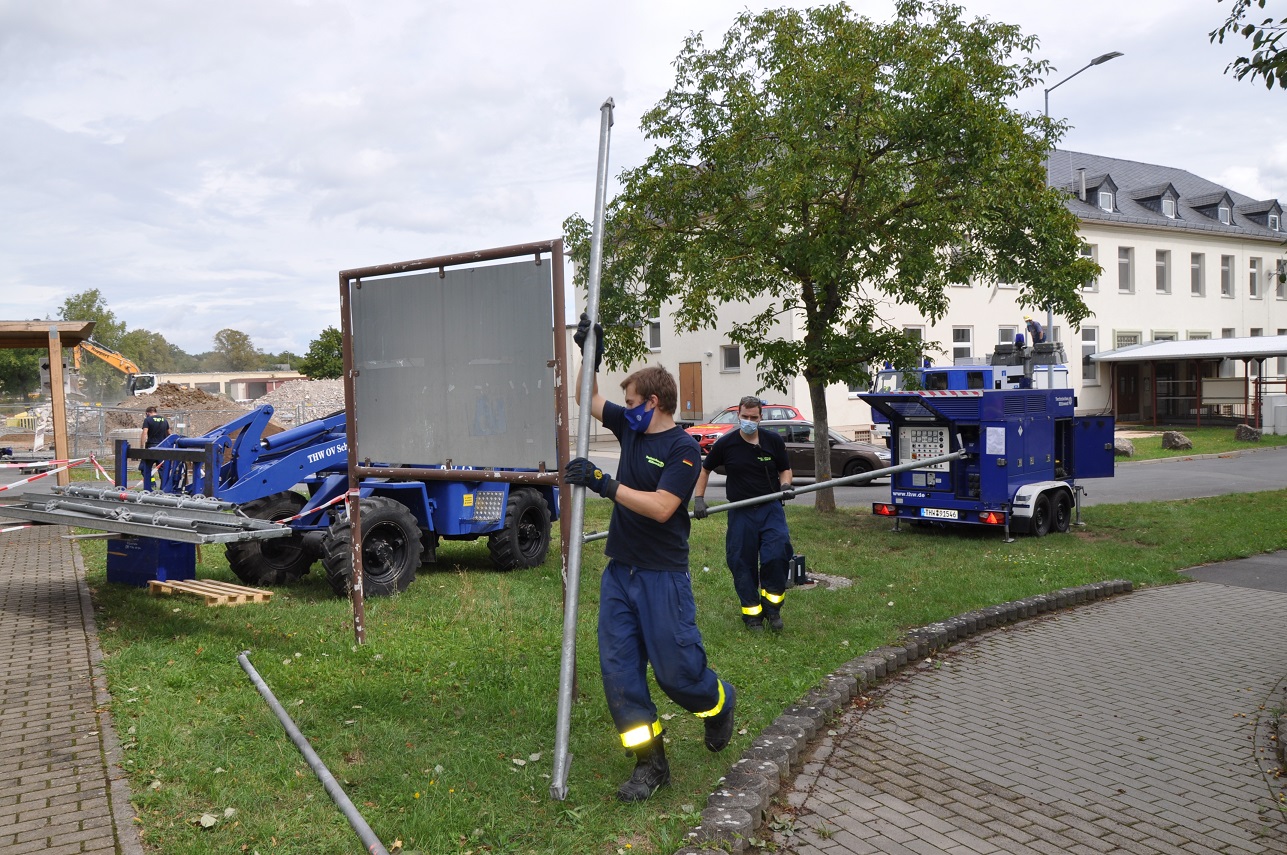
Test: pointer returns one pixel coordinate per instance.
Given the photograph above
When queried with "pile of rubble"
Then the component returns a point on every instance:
(200, 411)
(305, 399)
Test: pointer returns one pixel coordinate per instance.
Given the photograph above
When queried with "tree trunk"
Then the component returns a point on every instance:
(824, 500)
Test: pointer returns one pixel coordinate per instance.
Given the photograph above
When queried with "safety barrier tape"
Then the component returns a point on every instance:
(42, 475)
(41, 463)
(311, 511)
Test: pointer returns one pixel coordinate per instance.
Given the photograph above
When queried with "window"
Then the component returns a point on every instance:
(1005, 335)
(1126, 339)
(1168, 208)
(962, 342)
(1089, 347)
(654, 334)
(1226, 276)
(1228, 332)
(1226, 216)
(1199, 335)
(1164, 335)
(1282, 360)
(1197, 274)
(730, 358)
(1002, 282)
(1253, 279)
(1126, 269)
(1090, 252)
(1280, 280)
(1273, 227)
(1163, 271)
(1253, 366)
(1106, 200)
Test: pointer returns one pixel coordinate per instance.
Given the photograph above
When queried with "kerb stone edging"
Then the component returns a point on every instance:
(738, 807)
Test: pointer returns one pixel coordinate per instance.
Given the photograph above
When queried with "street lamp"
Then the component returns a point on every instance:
(1050, 313)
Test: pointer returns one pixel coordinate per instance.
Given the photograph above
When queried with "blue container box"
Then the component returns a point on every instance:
(137, 560)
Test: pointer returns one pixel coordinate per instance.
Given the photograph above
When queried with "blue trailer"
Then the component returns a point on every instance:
(1025, 451)
(299, 477)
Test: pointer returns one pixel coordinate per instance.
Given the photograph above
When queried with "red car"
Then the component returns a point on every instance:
(707, 433)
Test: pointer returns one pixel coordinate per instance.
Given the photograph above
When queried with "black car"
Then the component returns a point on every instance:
(847, 456)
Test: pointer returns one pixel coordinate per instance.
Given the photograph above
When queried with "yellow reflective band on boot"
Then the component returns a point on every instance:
(636, 736)
(752, 610)
(775, 599)
(718, 706)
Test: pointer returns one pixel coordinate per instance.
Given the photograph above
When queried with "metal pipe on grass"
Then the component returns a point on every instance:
(333, 788)
(572, 582)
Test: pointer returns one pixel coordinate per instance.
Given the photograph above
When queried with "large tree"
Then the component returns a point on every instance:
(835, 165)
(325, 357)
(20, 372)
(235, 351)
(97, 377)
(150, 350)
(1266, 60)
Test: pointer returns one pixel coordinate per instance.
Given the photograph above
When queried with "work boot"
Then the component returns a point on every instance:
(754, 624)
(651, 771)
(775, 622)
(719, 728)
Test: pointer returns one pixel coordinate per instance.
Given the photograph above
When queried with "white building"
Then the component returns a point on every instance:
(1182, 257)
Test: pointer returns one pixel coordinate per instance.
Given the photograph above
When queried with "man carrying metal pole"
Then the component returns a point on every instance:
(647, 614)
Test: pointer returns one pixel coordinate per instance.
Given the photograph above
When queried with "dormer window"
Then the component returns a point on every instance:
(1226, 215)
(1106, 200)
(1273, 222)
(1168, 208)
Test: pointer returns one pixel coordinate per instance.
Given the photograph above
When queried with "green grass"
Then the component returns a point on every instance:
(1206, 440)
(424, 725)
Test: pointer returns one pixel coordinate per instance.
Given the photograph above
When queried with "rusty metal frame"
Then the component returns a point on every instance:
(360, 468)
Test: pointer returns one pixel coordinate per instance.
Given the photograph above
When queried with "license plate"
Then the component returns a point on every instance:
(939, 513)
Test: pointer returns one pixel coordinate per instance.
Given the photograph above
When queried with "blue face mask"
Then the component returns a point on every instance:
(638, 418)
(748, 427)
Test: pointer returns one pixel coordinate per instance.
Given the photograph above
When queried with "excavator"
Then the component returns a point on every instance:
(137, 382)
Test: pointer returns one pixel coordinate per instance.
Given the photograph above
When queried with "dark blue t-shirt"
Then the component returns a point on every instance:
(752, 470)
(669, 461)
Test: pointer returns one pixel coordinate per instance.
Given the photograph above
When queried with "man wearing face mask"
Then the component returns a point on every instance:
(646, 608)
(757, 544)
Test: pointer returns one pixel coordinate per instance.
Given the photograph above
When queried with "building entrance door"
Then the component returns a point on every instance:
(690, 391)
(1128, 392)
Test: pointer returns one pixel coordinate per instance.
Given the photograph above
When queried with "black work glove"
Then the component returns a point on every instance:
(584, 473)
(699, 507)
(787, 494)
(582, 330)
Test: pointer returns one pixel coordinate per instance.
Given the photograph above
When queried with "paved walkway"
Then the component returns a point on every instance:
(60, 790)
(1134, 725)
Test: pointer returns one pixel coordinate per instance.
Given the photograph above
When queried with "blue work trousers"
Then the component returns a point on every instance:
(650, 616)
(757, 547)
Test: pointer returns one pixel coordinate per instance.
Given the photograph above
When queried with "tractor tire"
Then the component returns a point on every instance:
(525, 540)
(390, 549)
(279, 561)
(1061, 519)
(1041, 516)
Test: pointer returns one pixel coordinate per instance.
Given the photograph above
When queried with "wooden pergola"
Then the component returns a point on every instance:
(51, 336)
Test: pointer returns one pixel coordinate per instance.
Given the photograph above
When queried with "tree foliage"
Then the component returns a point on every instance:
(837, 166)
(20, 372)
(236, 351)
(1266, 61)
(97, 378)
(325, 357)
(150, 351)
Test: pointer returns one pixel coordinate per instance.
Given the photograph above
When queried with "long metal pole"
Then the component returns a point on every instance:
(572, 582)
(821, 485)
(333, 788)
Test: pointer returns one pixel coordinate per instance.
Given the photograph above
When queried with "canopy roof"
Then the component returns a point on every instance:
(22, 334)
(1255, 347)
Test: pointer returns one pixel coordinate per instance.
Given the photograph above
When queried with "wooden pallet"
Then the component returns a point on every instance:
(214, 593)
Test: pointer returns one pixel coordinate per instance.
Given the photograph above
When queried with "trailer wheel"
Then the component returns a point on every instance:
(279, 561)
(1041, 516)
(390, 549)
(1062, 518)
(525, 540)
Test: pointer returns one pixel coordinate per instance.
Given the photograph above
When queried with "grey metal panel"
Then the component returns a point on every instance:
(456, 367)
(202, 533)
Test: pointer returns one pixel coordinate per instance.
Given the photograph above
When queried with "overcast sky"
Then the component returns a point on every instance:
(212, 165)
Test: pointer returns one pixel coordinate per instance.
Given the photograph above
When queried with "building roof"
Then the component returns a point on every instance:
(1256, 347)
(1131, 177)
(23, 334)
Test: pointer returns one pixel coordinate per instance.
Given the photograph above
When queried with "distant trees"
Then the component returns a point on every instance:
(325, 357)
(19, 372)
(237, 351)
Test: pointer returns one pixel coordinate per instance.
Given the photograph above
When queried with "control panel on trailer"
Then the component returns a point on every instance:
(1025, 450)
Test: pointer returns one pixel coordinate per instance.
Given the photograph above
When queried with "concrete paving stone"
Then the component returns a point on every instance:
(844, 841)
